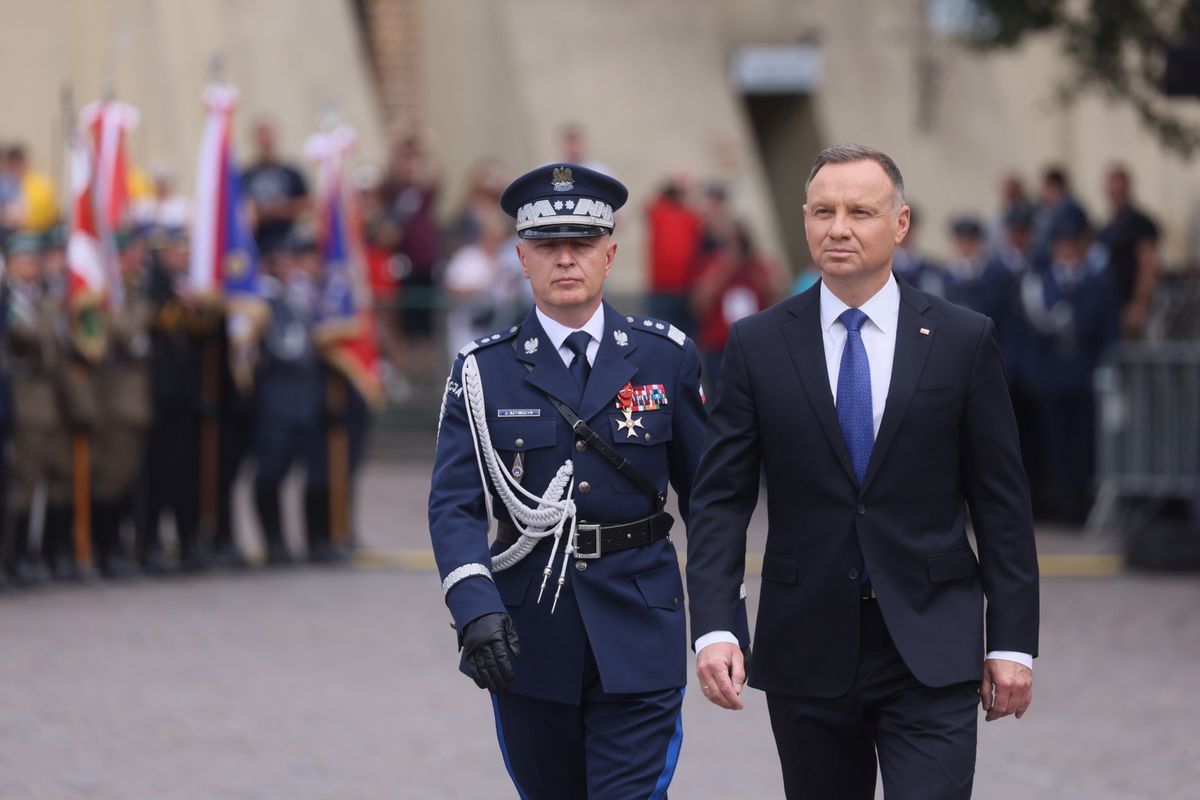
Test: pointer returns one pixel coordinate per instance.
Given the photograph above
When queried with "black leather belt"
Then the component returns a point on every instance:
(594, 540)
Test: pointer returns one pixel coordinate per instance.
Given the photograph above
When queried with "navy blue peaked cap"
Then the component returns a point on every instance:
(1069, 223)
(562, 200)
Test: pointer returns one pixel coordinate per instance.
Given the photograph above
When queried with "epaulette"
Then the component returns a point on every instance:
(648, 325)
(488, 341)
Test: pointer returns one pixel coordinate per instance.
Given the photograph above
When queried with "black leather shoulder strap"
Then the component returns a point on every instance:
(584, 432)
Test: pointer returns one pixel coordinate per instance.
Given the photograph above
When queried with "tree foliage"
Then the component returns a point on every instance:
(1115, 47)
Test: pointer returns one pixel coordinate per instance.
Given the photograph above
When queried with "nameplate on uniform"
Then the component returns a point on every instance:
(518, 412)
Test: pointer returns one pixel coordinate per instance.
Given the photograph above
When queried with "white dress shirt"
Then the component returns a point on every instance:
(558, 333)
(879, 340)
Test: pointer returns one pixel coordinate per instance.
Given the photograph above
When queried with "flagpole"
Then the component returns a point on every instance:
(210, 436)
(81, 452)
(210, 394)
(339, 460)
(81, 461)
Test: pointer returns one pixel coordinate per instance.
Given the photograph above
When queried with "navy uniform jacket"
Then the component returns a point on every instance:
(289, 380)
(628, 605)
(1067, 352)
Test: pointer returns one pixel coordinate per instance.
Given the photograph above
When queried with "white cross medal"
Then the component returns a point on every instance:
(625, 406)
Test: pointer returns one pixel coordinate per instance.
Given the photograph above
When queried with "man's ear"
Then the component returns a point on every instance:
(520, 246)
(903, 219)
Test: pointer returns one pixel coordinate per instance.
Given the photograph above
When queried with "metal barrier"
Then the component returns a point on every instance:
(1148, 430)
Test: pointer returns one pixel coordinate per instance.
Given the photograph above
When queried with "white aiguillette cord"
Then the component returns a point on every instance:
(553, 508)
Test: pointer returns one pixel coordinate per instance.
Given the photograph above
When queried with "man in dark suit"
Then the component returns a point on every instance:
(881, 415)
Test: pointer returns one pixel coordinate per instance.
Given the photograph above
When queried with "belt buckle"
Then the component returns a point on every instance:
(587, 526)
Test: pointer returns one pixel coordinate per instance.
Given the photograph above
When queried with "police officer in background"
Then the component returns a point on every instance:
(573, 618)
(1073, 316)
(287, 387)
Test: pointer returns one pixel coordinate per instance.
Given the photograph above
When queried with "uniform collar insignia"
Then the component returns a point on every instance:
(622, 338)
(531, 345)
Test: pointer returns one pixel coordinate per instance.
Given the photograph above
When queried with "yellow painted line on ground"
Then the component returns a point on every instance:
(1056, 565)
(1080, 565)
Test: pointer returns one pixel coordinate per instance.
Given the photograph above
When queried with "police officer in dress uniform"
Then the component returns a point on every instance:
(1073, 314)
(580, 641)
(288, 390)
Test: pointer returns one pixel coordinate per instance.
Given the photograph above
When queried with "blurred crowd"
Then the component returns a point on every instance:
(126, 424)
(169, 423)
(1063, 286)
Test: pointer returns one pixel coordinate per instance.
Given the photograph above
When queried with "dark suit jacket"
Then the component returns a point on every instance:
(948, 441)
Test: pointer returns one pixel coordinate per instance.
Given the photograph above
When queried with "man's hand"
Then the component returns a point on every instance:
(1007, 688)
(490, 647)
(722, 672)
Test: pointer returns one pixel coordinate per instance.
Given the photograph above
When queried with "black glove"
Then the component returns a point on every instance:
(490, 647)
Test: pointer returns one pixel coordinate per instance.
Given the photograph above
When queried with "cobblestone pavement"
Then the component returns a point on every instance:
(340, 684)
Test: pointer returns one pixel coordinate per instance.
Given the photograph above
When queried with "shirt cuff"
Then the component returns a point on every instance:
(1024, 659)
(714, 638)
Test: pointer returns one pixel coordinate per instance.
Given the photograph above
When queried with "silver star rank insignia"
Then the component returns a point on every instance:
(628, 424)
(531, 346)
(622, 338)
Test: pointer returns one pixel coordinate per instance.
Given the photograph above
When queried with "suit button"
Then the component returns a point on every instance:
(861, 509)
(580, 565)
(581, 445)
(519, 442)
(647, 437)
(853, 574)
(584, 487)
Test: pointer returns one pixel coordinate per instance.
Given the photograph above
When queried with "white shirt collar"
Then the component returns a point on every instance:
(558, 333)
(883, 309)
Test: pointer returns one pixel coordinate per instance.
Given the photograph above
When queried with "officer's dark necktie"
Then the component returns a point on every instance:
(854, 401)
(577, 343)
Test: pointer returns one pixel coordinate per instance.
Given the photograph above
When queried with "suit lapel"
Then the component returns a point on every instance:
(549, 373)
(912, 348)
(612, 368)
(805, 343)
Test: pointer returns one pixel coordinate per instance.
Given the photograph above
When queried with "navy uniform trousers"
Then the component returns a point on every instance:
(594, 710)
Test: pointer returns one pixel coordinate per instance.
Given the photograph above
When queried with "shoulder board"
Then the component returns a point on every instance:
(488, 341)
(648, 325)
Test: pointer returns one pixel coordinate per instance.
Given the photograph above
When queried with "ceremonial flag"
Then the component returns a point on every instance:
(99, 180)
(345, 329)
(224, 260)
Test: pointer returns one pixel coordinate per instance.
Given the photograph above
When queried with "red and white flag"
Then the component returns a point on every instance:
(99, 176)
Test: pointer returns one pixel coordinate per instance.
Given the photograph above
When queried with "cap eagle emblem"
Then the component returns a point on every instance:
(562, 180)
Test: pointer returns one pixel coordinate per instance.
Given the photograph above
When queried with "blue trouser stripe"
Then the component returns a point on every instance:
(664, 780)
(504, 748)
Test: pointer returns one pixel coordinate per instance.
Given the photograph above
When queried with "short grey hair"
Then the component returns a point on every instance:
(852, 153)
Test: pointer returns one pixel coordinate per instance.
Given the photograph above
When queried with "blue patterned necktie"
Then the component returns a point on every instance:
(577, 343)
(854, 394)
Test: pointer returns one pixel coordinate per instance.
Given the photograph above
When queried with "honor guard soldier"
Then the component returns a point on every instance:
(41, 446)
(173, 446)
(122, 380)
(566, 430)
